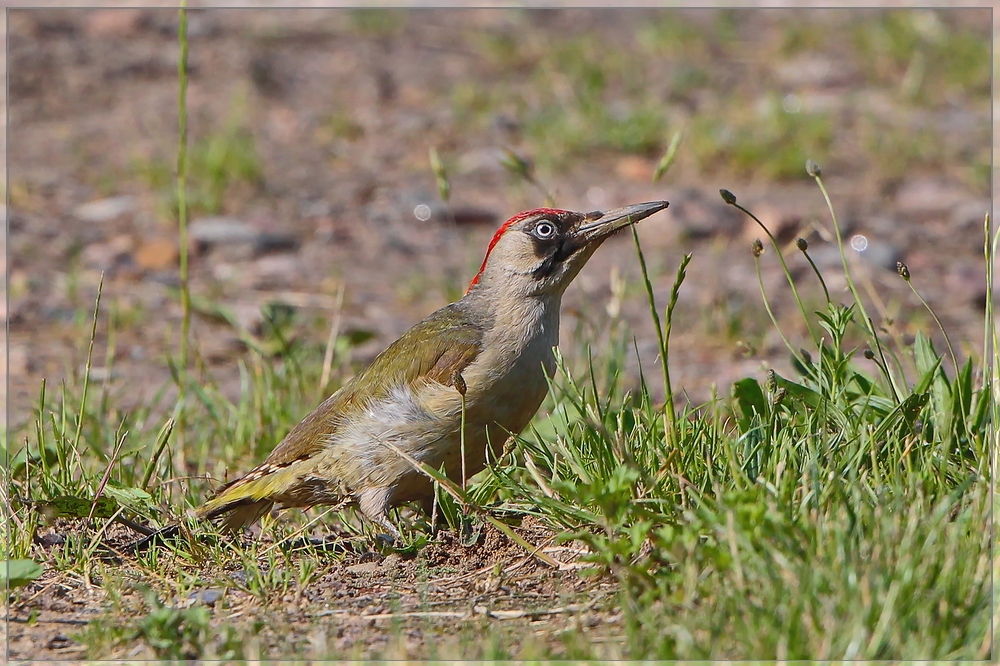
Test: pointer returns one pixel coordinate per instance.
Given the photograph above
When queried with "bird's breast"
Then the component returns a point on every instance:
(505, 384)
(509, 375)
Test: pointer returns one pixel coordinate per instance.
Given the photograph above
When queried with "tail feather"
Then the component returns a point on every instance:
(242, 502)
(242, 514)
(239, 504)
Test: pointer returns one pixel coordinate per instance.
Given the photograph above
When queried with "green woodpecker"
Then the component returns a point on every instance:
(489, 351)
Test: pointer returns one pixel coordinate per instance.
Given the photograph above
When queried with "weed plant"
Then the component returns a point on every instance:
(838, 513)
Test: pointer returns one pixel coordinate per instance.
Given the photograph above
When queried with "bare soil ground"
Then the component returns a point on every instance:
(358, 602)
(342, 110)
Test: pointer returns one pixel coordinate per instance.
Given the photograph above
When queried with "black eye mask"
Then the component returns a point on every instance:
(555, 251)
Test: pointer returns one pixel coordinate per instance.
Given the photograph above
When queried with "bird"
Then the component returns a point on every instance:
(485, 357)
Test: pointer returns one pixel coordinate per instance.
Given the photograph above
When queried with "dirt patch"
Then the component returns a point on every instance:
(359, 603)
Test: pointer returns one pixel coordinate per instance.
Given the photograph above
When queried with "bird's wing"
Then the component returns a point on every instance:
(436, 349)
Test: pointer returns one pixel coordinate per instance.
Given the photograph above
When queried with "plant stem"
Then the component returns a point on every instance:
(662, 336)
(784, 267)
(161, 443)
(770, 313)
(86, 371)
(822, 282)
(843, 257)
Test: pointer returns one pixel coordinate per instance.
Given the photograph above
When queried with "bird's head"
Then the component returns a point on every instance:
(540, 251)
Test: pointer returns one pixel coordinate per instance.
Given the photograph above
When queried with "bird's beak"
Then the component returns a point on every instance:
(595, 228)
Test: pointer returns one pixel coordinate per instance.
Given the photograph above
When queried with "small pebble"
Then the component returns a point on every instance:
(103, 210)
(51, 539)
(207, 597)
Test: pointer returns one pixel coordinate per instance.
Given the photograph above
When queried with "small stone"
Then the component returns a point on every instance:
(51, 539)
(157, 254)
(277, 270)
(60, 642)
(207, 597)
(103, 210)
(784, 224)
(272, 242)
(211, 231)
(237, 240)
(108, 256)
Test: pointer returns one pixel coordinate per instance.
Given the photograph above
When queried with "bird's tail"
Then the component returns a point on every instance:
(240, 503)
(235, 514)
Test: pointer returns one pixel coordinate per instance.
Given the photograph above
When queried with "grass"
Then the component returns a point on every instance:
(588, 97)
(769, 141)
(933, 59)
(835, 513)
(820, 517)
(831, 514)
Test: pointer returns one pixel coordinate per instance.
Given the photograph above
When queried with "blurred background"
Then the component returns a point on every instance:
(314, 204)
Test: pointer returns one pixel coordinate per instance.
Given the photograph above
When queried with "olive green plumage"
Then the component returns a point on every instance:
(436, 349)
(496, 344)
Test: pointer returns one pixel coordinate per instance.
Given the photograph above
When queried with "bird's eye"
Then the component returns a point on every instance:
(545, 229)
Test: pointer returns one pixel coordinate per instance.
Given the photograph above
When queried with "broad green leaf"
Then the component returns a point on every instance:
(750, 399)
(70, 506)
(814, 400)
(132, 498)
(928, 377)
(20, 572)
(906, 413)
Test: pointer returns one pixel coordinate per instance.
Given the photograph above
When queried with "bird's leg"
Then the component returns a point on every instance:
(374, 504)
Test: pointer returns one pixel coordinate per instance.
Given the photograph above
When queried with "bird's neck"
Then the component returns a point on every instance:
(520, 323)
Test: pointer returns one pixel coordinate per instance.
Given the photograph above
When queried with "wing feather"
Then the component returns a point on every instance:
(436, 349)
